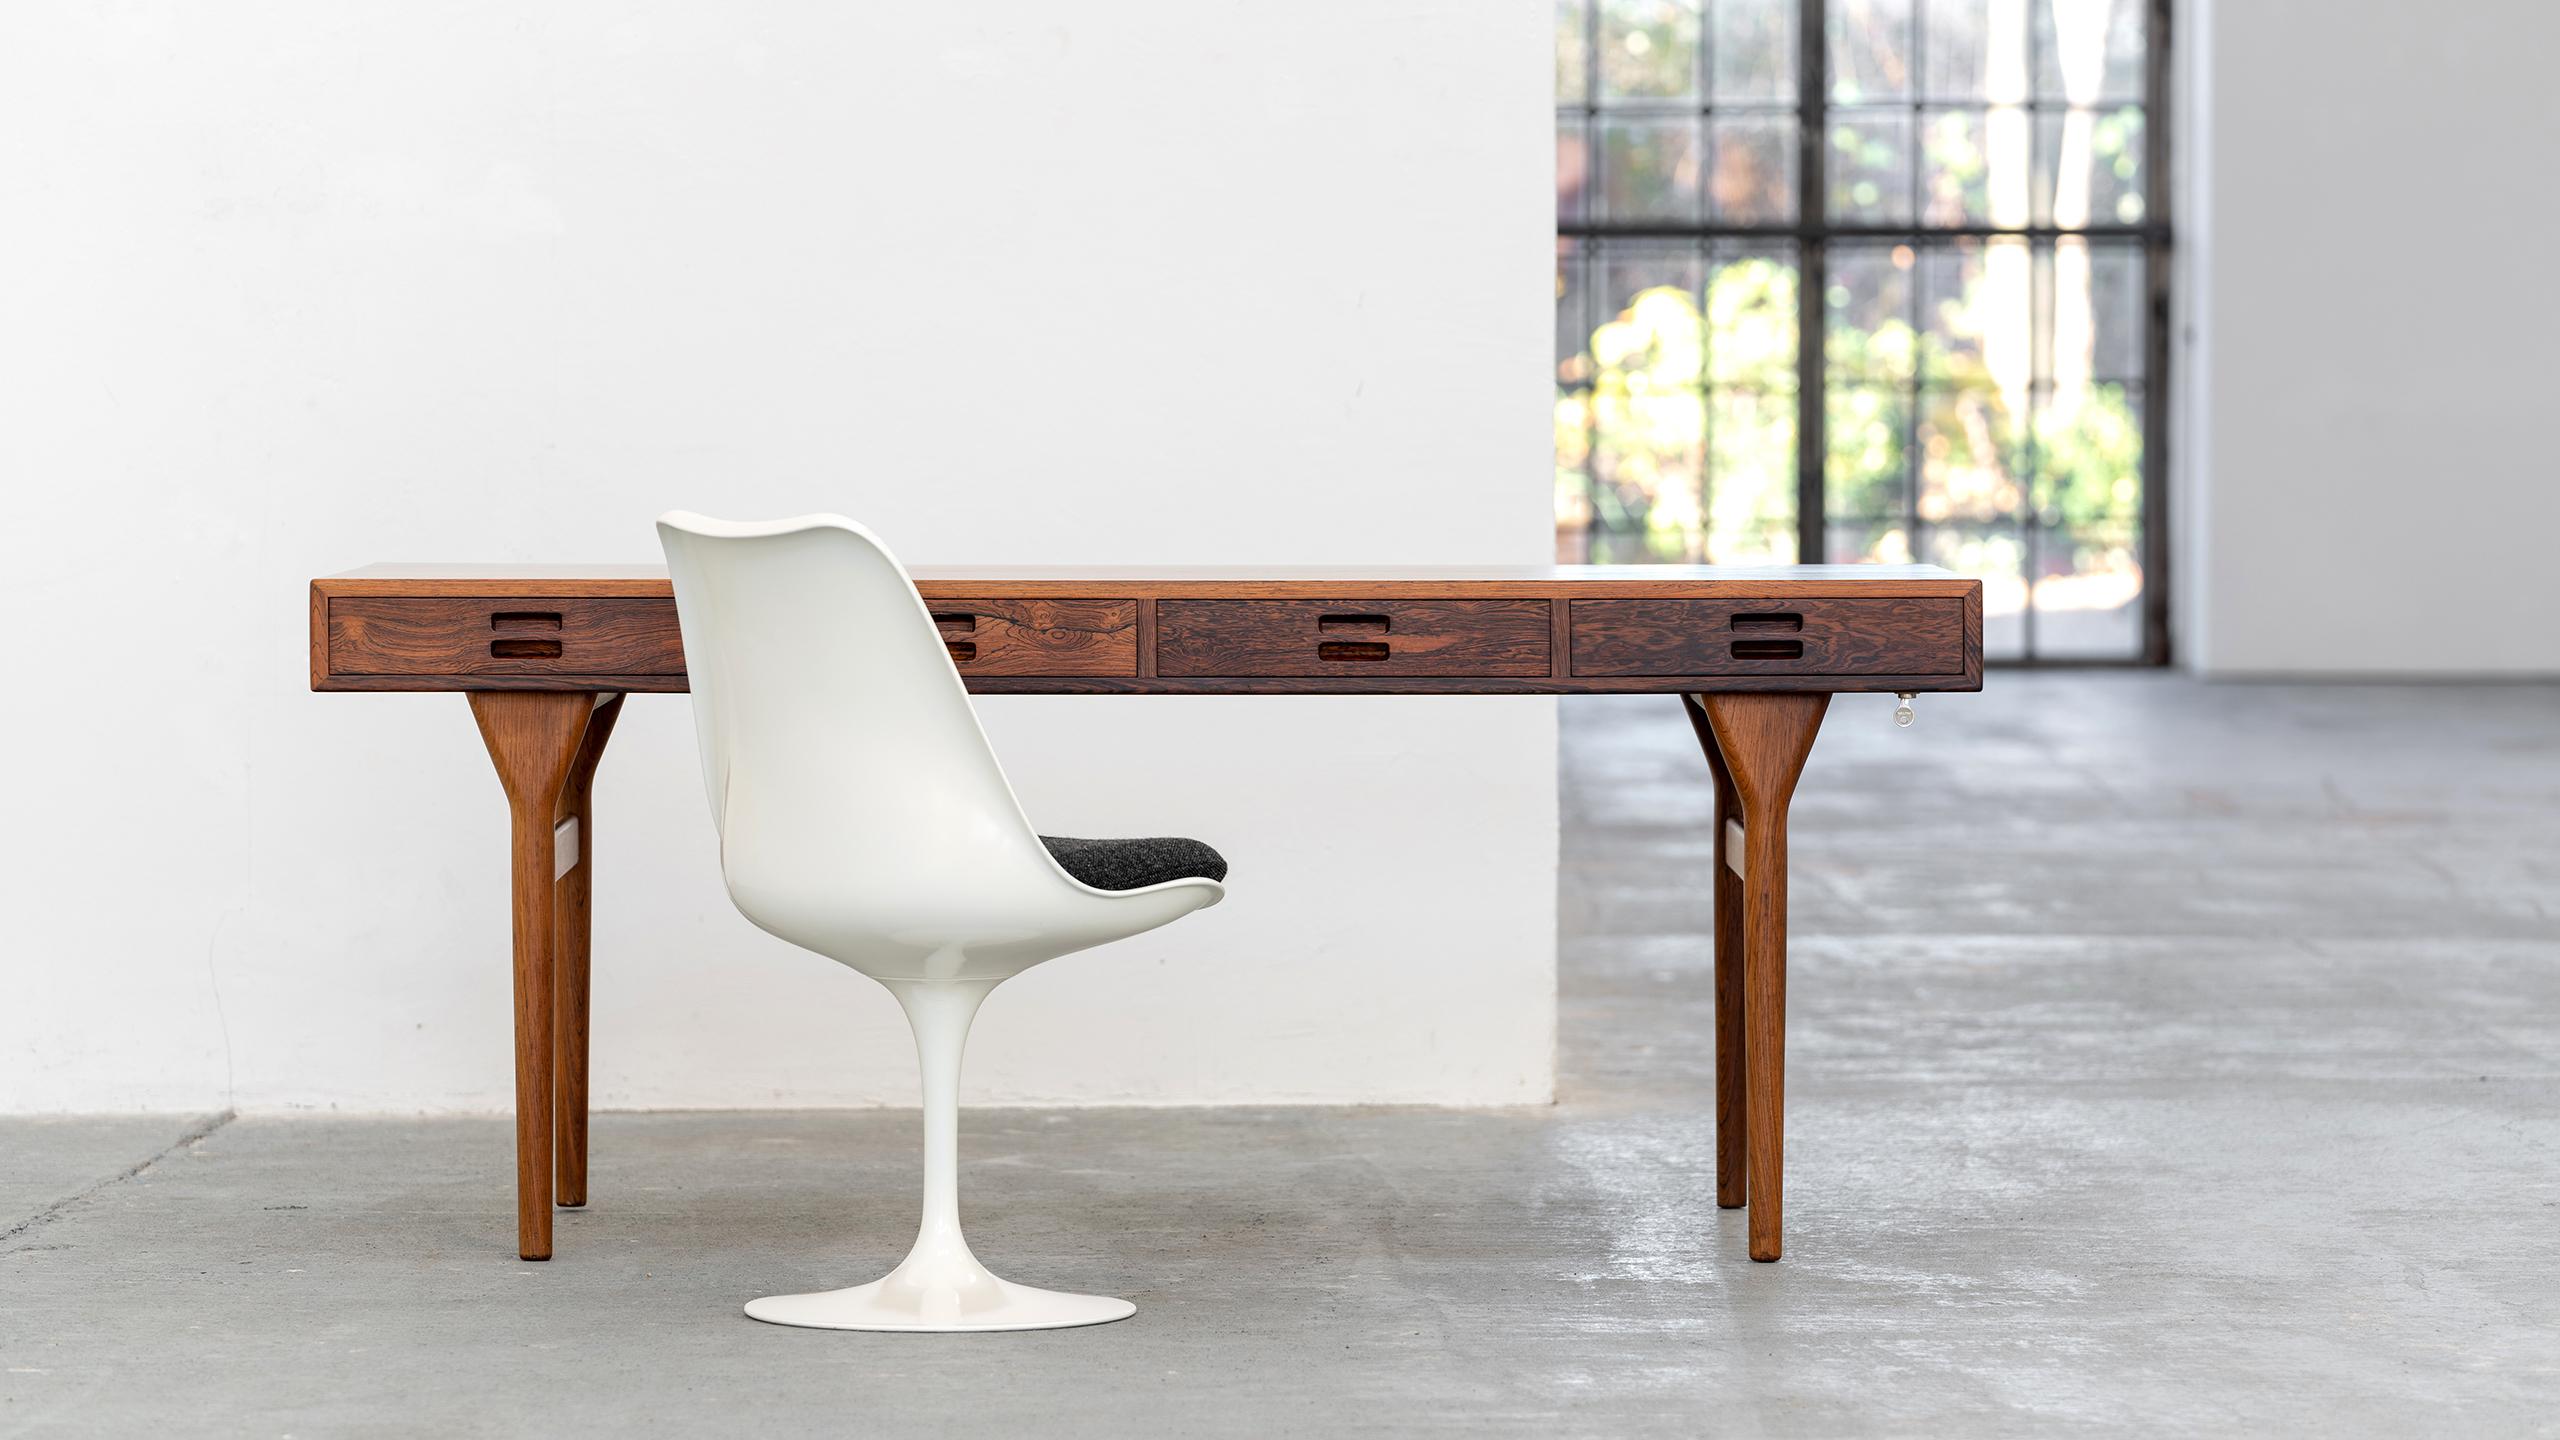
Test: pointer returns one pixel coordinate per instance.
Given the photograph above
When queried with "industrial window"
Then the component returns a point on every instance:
(1871, 280)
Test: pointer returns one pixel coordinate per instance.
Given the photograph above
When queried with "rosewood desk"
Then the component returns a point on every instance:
(546, 654)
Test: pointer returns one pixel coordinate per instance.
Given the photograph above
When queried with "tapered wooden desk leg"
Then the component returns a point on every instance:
(574, 915)
(533, 737)
(1732, 1158)
(1764, 740)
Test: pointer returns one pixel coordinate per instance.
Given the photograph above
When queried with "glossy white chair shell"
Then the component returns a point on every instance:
(862, 815)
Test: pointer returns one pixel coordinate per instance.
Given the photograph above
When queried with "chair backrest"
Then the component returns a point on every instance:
(846, 769)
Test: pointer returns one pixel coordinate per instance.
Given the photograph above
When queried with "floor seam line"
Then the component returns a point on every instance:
(54, 1211)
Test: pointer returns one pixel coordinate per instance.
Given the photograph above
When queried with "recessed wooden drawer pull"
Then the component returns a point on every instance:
(954, 625)
(1351, 649)
(524, 649)
(1768, 649)
(1769, 621)
(518, 646)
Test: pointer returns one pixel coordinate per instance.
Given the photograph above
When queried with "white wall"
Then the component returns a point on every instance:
(2373, 366)
(285, 288)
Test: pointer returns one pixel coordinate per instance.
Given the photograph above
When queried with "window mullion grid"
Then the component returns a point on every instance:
(1812, 235)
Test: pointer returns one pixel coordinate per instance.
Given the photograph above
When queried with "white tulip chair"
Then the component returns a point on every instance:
(863, 816)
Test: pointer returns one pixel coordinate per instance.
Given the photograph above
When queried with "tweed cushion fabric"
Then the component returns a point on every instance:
(1135, 864)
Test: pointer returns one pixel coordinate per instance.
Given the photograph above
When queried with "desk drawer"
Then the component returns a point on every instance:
(520, 637)
(1352, 638)
(636, 637)
(1861, 636)
(1039, 637)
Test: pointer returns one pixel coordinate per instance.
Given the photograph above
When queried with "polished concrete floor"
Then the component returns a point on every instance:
(2167, 1059)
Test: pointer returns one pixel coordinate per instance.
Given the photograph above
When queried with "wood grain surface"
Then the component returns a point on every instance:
(1807, 636)
(1733, 1163)
(533, 740)
(1355, 637)
(991, 636)
(573, 973)
(1763, 740)
(485, 637)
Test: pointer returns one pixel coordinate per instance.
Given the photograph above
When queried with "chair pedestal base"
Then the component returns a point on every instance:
(904, 1300)
(940, 1286)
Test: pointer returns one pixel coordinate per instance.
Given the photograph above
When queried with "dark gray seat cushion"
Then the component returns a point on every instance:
(1135, 864)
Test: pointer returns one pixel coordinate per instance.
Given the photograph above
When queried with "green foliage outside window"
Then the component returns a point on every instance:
(1687, 427)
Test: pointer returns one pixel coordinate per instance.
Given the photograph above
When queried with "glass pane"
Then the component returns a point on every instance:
(1751, 421)
(2087, 50)
(1647, 413)
(2089, 456)
(1995, 554)
(1573, 488)
(1631, 272)
(1573, 315)
(1573, 167)
(1649, 168)
(1751, 478)
(1967, 55)
(1573, 403)
(1751, 322)
(1755, 50)
(1975, 320)
(1648, 49)
(1870, 50)
(2089, 167)
(1648, 457)
(1755, 168)
(1870, 312)
(2088, 592)
(1871, 167)
(1866, 427)
(1970, 456)
(2089, 307)
(1973, 167)
(1573, 51)
(1856, 542)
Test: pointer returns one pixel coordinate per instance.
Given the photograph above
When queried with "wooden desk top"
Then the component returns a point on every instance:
(1211, 630)
(1568, 581)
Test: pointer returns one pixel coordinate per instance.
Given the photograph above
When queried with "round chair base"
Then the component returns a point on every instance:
(999, 1305)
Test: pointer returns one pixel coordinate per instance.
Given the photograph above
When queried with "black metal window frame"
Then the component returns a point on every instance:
(1813, 232)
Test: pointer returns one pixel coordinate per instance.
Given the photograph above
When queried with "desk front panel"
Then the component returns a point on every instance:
(1626, 633)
